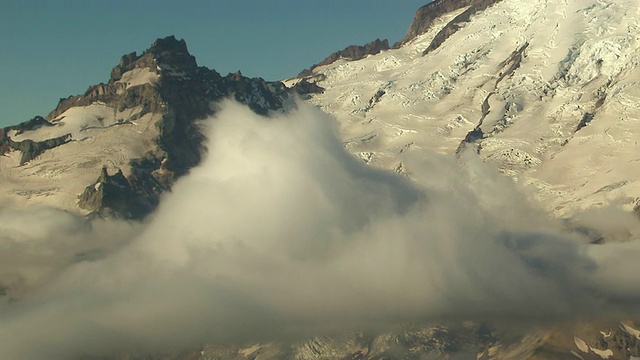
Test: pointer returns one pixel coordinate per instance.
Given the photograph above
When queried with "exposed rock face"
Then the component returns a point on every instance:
(113, 195)
(353, 52)
(33, 124)
(426, 15)
(305, 87)
(590, 341)
(508, 66)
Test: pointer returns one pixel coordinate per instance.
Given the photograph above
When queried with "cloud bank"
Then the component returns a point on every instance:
(280, 234)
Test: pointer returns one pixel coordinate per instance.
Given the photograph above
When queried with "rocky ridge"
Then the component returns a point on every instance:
(350, 53)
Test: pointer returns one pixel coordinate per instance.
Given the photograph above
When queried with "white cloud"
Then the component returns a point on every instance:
(281, 233)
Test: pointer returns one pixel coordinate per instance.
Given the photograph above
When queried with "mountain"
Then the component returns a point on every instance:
(141, 126)
(546, 92)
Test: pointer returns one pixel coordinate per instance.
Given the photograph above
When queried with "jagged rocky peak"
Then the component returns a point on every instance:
(146, 114)
(167, 54)
(352, 53)
(168, 59)
(426, 15)
(172, 52)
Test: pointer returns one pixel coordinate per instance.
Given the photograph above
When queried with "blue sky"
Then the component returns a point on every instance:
(53, 49)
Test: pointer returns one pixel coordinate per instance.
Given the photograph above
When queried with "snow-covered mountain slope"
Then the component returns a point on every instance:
(547, 91)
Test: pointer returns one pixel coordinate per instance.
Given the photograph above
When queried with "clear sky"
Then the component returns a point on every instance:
(50, 49)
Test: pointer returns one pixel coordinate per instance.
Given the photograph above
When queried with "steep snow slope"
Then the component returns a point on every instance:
(551, 87)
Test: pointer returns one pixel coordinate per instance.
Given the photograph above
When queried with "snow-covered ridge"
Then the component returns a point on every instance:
(75, 121)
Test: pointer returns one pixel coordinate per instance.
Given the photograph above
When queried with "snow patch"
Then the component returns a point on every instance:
(387, 63)
(604, 354)
(581, 344)
(139, 76)
(631, 331)
(251, 350)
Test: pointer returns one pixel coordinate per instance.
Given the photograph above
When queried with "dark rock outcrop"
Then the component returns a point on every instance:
(375, 99)
(588, 116)
(113, 195)
(511, 64)
(31, 149)
(352, 53)
(305, 87)
(406, 342)
(584, 121)
(30, 125)
(471, 137)
(4, 142)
